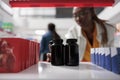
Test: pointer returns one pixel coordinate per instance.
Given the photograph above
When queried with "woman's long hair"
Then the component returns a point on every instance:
(51, 27)
(102, 25)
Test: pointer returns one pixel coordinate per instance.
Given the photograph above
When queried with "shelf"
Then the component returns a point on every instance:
(5, 33)
(45, 71)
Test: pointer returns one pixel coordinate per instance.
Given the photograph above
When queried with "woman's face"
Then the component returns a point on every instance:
(82, 16)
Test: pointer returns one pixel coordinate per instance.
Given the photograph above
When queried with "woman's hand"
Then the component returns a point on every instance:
(48, 57)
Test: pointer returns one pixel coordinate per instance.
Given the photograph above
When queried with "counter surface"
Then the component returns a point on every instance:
(44, 70)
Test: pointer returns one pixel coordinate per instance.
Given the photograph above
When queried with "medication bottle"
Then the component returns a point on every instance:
(57, 52)
(71, 53)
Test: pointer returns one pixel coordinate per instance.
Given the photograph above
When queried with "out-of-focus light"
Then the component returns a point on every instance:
(38, 11)
(110, 12)
(40, 32)
(67, 36)
(6, 7)
(40, 69)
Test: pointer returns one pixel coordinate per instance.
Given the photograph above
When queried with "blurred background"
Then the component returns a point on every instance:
(31, 23)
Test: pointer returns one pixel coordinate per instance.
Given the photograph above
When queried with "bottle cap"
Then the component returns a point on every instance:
(58, 41)
(71, 40)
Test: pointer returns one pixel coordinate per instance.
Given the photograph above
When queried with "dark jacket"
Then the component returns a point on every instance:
(44, 44)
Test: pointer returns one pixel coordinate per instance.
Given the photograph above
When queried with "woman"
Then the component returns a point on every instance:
(91, 32)
(46, 38)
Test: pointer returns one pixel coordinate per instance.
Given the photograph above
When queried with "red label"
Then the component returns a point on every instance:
(61, 3)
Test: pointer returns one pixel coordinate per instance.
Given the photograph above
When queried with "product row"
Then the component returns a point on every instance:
(64, 54)
(17, 54)
(108, 58)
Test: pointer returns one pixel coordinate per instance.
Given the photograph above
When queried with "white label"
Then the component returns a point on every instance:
(92, 51)
(99, 50)
(102, 51)
(96, 51)
(113, 51)
(107, 51)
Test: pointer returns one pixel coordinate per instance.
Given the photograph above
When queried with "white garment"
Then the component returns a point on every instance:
(76, 33)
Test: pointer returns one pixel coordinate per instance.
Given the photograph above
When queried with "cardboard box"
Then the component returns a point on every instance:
(92, 55)
(108, 63)
(115, 55)
(12, 52)
(17, 54)
(103, 57)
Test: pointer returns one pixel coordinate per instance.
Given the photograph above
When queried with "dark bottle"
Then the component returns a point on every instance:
(71, 53)
(57, 52)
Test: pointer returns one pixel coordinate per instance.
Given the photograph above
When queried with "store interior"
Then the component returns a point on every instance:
(31, 22)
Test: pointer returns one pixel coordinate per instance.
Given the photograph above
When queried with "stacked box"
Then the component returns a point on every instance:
(103, 57)
(115, 55)
(92, 55)
(108, 58)
(17, 54)
(97, 56)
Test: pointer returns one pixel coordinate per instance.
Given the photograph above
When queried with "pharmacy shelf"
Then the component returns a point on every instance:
(45, 71)
(5, 33)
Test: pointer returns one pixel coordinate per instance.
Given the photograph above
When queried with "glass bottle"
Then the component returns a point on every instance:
(57, 52)
(71, 53)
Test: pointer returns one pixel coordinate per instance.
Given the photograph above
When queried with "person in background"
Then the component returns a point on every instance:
(46, 38)
(91, 32)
